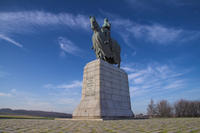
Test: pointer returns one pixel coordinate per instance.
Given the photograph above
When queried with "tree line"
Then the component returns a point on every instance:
(181, 108)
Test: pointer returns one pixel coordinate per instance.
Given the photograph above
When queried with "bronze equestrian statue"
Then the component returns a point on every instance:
(104, 46)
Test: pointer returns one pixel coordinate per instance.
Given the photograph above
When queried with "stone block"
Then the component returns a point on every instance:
(105, 92)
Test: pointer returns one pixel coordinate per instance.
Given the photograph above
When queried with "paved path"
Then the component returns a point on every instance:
(168, 125)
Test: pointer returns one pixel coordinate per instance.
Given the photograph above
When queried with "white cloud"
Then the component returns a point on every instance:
(73, 84)
(68, 101)
(40, 101)
(175, 84)
(48, 86)
(59, 98)
(136, 74)
(6, 38)
(36, 104)
(66, 96)
(5, 94)
(68, 46)
(155, 78)
(13, 91)
(68, 104)
(154, 32)
(128, 69)
(26, 21)
(31, 21)
(139, 80)
(25, 100)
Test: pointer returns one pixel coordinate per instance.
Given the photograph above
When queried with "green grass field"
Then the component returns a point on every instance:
(158, 125)
(22, 117)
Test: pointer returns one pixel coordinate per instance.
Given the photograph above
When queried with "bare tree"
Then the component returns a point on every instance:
(151, 109)
(184, 108)
(164, 109)
(181, 108)
(198, 109)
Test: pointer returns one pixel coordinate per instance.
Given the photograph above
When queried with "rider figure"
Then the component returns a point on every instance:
(106, 31)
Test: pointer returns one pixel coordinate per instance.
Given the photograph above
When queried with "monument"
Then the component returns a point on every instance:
(105, 90)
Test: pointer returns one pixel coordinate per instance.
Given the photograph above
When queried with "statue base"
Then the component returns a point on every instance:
(105, 93)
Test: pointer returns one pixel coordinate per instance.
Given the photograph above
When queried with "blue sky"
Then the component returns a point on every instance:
(44, 46)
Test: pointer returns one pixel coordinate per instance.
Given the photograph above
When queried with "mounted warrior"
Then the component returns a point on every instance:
(104, 46)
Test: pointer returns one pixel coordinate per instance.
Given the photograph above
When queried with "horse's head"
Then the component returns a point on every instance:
(94, 24)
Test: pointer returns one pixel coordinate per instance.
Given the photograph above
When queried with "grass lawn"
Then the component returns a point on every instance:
(22, 117)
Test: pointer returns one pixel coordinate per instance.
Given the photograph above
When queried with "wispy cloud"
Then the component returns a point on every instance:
(128, 69)
(8, 39)
(67, 46)
(73, 84)
(32, 101)
(26, 21)
(158, 81)
(156, 33)
(69, 103)
(153, 32)
(11, 92)
(67, 94)
(175, 84)
(5, 94)
(155, 78)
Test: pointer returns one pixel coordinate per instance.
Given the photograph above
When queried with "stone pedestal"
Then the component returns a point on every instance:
(105, 93)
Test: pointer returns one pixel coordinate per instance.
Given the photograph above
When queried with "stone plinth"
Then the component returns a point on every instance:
(105, 93)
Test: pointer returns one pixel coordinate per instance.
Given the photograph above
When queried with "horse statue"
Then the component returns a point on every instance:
(104, 46)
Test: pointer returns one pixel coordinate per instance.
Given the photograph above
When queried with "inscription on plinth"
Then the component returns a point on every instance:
(90, 89)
